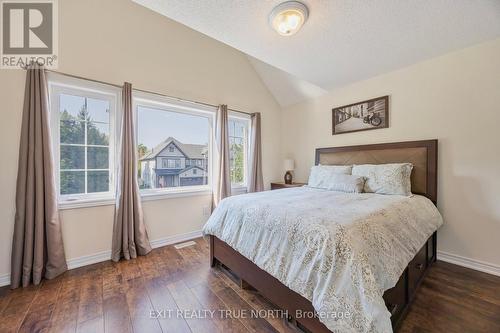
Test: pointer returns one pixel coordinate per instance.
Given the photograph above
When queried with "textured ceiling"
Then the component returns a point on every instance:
(343, 41)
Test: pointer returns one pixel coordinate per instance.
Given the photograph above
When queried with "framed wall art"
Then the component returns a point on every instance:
(362, 116)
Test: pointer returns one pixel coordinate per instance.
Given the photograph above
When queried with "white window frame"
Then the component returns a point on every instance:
(244, 118)
(167, 104)
(60, 84)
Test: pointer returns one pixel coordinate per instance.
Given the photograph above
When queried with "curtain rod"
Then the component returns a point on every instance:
(144, 91)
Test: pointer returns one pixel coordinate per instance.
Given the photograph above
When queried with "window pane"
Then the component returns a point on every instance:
(72, 182)
(231, 150)
(237, 164)
(97, 134)
(97, 158)
(72, 157)
(237, 142)
(97, 181)
(239, 129)
(162, 167)
(72, 131)
(98, 110)
(85, 137)
(72, 107)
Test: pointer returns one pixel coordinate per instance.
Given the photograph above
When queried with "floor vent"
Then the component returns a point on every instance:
(183, 245)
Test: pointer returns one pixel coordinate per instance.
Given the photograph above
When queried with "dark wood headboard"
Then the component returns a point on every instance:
(422, 154)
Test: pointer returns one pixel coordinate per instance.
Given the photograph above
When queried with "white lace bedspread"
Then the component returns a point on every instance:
(339, 250)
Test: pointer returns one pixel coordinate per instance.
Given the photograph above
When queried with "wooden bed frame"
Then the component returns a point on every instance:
(423, 154)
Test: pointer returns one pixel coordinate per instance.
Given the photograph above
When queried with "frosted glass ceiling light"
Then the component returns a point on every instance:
(288, 17)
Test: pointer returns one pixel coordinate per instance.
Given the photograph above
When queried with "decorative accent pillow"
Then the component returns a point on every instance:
(392, 178)
(321, 175)
(347, 183)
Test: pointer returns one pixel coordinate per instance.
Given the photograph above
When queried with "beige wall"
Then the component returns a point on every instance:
(454, 98)
(116, 41)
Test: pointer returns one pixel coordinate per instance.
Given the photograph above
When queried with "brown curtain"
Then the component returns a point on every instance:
(37, 246)
(130, 237)
(223, 178)
(255, 181)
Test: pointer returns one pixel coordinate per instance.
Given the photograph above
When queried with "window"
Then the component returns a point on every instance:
(82, 120)
(168, 163)
(164, 163)
(174, 142)
(163, 125)
(238, 142)
(174, 164)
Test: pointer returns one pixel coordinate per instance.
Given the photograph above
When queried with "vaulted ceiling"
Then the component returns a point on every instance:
(343, 41)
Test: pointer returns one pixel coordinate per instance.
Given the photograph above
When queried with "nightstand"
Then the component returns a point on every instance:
(278, 185)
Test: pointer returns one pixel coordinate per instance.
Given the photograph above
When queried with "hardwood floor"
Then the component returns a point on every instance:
(138, 295)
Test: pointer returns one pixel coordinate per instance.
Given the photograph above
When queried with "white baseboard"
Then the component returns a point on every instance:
(175, 239)
(469, 263)
(89, 259)
(4, 280)
(106, 255)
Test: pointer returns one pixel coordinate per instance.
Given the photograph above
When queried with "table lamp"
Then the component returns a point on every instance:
(289, 166)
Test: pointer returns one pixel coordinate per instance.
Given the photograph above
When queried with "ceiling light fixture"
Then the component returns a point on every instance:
(288, 17)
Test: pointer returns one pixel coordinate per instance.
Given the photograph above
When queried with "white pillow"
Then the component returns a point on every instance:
(320, 176)
(392, 178)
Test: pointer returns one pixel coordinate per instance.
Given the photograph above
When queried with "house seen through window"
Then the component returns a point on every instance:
(173, 147)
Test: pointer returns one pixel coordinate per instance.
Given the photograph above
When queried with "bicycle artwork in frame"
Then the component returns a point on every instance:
(361, 116)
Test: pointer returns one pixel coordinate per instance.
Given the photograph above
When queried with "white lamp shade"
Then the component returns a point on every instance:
(289, 165)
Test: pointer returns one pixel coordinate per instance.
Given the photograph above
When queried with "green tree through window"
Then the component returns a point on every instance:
(84, 147)
(237, 140)
(238, 168)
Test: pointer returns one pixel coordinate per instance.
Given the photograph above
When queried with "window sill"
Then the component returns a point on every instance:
(159, 195)
(152, 196)
(86, 203)
(238, 190)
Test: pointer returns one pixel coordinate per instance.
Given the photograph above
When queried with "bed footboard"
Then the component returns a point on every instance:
(398, 299)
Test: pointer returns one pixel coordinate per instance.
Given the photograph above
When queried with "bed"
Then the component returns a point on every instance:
(335, 261)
